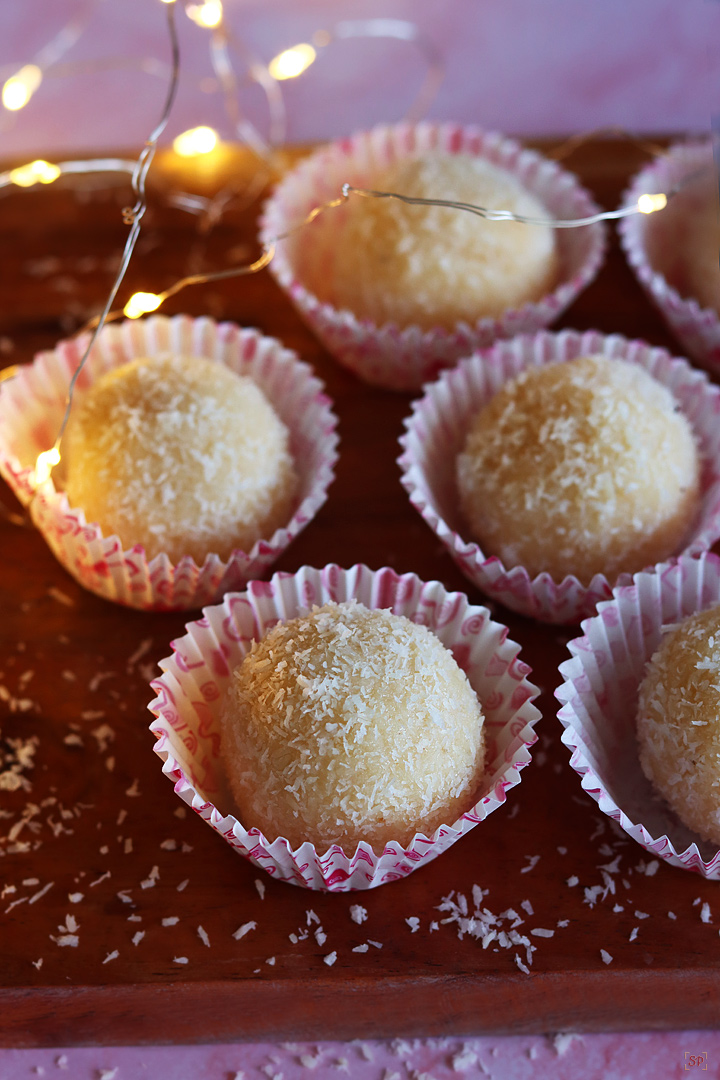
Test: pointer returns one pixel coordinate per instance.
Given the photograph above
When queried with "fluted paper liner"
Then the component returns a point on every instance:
(190, 695)
(438, 428)
(696, 328)
(403, 358)
(31, 409)
(599, 698)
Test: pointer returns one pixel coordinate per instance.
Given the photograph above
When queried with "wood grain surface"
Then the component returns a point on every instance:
(100, 836)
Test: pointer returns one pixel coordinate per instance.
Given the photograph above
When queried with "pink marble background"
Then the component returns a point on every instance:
(520, 66)
(560, 1057)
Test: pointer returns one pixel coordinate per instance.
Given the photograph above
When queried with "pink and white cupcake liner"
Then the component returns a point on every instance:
(697, 328)
(191, 690)
(599, 697)
(404, 358)
(31, 409)
(438, 427)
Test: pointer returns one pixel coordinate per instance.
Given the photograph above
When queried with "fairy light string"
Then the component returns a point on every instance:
(646, 204)
(19, 87)
(132, 216)
(209, 15)
(141, 303)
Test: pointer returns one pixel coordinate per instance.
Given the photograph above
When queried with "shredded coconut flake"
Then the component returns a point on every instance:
(464, 1060)
(244, 929)
(563, 1041)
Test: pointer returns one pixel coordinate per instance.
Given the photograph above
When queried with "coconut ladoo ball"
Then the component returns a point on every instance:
(181, 455)
(349, 724)
(678, 722)
(388, 261)
(580, 467)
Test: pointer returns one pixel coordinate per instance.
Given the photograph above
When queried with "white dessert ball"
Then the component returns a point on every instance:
(351, 724)
(391, 262)
(179, 454)
(580, 467)
(678, 722)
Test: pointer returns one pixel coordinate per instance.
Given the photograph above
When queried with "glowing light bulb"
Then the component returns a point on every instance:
(37, 172)
(292, 62)
(208, 14)
(140, 303)
(19, 88)
(648, 204)
(199, 140)
(45, 464)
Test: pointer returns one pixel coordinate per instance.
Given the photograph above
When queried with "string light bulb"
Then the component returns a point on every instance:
(199, 140)
(37, 172)
(45, 464)
(208, 14)
(140, 303)
(292, 62)
(20, 87)
(648, 204)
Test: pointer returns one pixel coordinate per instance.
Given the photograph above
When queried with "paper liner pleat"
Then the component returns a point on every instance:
(696, 328)
(191, 691)
(31, 409)
(438, 427)
(599, 696)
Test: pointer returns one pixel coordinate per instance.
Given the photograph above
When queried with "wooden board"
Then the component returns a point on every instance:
(104, 841)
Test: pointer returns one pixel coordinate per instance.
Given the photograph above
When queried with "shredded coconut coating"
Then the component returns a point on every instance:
(181, 455)
(580, 467)
(678, 722)
(349, 724)
(428, 266)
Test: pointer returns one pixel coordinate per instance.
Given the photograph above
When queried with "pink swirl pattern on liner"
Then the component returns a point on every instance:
(436, 430)
(404, 359)
(469, 628)
(598, 700)
(98, 562)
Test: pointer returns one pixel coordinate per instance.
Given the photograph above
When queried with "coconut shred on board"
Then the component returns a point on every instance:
(517, 933)
(499, 931)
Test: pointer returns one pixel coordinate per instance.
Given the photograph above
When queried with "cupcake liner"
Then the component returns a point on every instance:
(31, 409)
(403, 359)
(697, 328)
(599, 698)
(190, 696)
(438, 427)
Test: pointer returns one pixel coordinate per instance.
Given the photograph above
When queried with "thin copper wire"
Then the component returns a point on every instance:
(132, 216)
